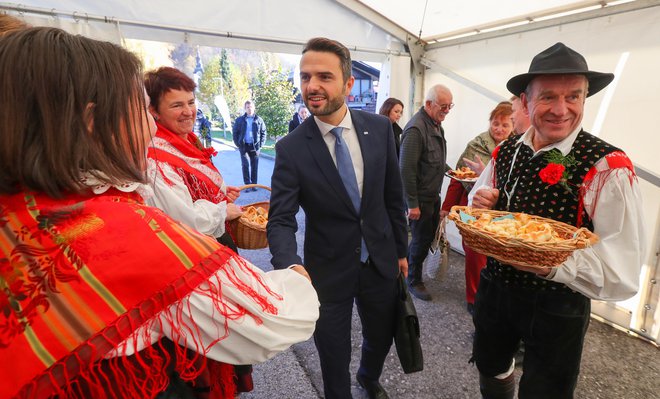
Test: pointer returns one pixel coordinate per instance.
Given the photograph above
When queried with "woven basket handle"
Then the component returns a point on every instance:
(241, 188)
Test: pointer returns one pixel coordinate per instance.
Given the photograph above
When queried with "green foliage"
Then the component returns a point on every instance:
(222, 77)
(268, 88)
(240, 89)
(210, 86)
(273, 95)
(183, 58)
(225, 71)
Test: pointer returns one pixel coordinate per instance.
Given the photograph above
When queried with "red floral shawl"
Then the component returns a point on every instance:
(80, 275)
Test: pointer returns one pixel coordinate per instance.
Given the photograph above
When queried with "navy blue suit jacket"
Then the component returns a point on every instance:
(305, 175)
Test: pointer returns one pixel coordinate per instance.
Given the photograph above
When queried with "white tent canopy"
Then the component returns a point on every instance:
(473, 47)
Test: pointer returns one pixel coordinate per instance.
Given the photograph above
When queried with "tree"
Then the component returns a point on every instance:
(222, 77)
(183, 58)
(273, 97)
(235, 81)
(225, 71)
(210, 86)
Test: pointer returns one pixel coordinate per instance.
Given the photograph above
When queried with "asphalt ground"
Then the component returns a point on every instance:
(614, 364)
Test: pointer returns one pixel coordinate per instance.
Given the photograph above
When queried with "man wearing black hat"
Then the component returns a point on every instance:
(559, 171)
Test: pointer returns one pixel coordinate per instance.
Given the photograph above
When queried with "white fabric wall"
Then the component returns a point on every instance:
(630, 121)
(262, 25)
(395, 82)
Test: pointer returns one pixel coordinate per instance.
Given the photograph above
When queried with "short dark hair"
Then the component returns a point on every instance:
(81, 110)
(160, 81)
(326, 45)
(387, 106)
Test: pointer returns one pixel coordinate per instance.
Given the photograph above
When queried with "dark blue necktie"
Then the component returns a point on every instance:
(347, 174)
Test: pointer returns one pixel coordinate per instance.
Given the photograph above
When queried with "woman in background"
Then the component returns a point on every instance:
(100, 295)
(393, 109)
(476, 155)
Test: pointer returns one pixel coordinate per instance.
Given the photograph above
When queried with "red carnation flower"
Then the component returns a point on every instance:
(552, 173)
(495, 152)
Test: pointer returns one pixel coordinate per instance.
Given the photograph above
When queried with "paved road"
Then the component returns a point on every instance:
(614, 364)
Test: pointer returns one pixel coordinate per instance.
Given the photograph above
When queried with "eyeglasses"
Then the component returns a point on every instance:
(445, 107)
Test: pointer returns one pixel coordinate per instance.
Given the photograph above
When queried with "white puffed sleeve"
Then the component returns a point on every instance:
(175, 200)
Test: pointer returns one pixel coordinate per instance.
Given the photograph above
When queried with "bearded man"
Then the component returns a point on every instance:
(341, 167)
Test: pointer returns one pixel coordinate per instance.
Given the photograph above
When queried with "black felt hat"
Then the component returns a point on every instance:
(559, 60)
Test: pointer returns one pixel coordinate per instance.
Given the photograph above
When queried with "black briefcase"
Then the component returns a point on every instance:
(406, 336)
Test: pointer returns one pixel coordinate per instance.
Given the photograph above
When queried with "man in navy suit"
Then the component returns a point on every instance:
(355, 236)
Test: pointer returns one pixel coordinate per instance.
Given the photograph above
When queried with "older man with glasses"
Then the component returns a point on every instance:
(423, 165)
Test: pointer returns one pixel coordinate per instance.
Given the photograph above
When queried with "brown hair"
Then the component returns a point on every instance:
(502, 109)
(325, 45)
(80, 110)
(387, 106)
(164, 79)
(9, 23)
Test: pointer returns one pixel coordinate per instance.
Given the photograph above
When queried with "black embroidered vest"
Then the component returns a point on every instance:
(522, 190)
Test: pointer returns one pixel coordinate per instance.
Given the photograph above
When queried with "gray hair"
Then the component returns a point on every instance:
(432, 94)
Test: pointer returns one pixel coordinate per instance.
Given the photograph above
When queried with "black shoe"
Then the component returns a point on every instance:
(373, 388)
(419, 290)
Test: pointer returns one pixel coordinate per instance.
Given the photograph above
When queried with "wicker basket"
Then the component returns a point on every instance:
(515, 251)
(250, 235)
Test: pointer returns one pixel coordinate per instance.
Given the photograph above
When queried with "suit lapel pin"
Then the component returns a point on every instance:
(365, 133)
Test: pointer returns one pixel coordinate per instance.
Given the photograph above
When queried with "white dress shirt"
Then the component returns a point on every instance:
(349, 135)
(610, 269)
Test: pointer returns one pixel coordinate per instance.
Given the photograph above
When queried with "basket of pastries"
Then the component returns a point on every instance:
(518, 238)
(249, 230)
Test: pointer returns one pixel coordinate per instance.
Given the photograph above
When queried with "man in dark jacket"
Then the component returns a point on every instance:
(423, 165)
(249, 135)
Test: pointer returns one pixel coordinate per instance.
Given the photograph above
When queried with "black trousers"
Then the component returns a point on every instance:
(250, 165)
(375, 298)
(423, 232)
(551, 323)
